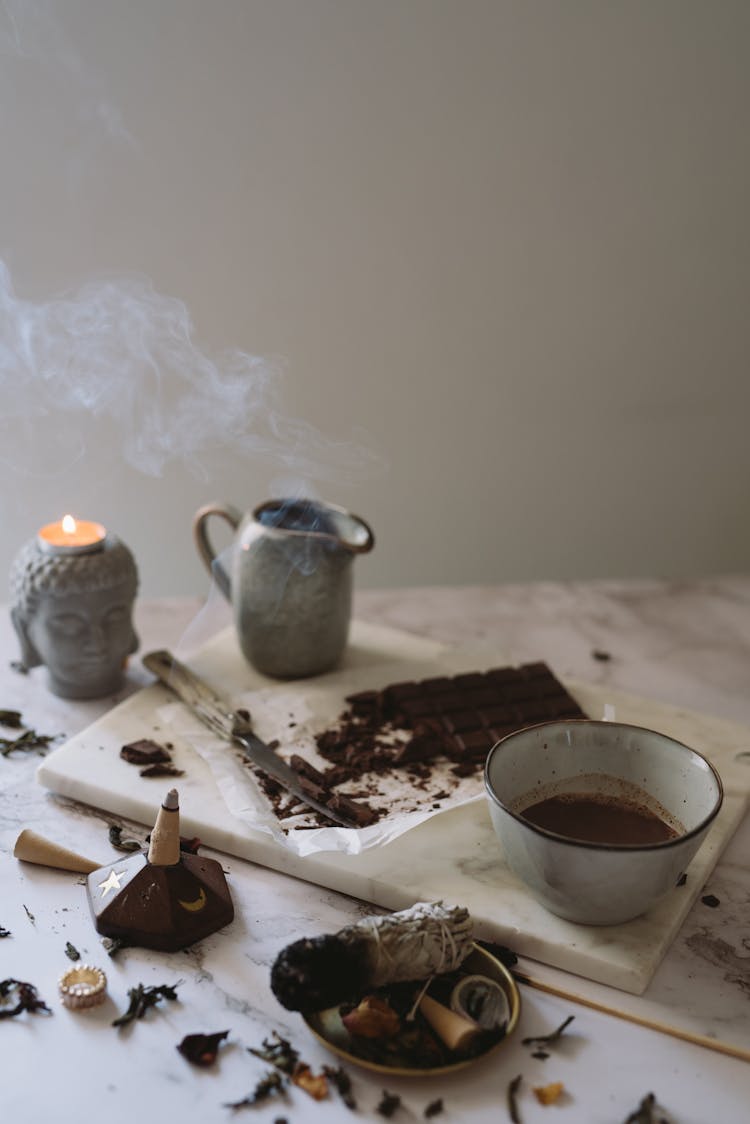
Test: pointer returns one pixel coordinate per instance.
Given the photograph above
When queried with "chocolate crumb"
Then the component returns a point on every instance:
(159, 770)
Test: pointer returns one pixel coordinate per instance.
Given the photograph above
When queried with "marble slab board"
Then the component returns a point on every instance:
(453, 856)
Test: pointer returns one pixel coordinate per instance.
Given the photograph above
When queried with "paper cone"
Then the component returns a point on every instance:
(164, 848)
(33, 848)
(453, 1029)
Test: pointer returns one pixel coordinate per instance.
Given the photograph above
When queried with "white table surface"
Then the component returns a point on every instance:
(687, 644)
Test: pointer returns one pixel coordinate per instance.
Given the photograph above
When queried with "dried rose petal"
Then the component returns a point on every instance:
(201, 1049)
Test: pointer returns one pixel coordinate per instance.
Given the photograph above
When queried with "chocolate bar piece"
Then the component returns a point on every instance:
(458, 717)
(145, 752)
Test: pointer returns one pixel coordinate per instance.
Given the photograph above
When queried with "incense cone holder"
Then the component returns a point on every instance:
(162, 907)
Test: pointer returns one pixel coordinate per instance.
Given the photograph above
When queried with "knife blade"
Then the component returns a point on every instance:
(232, 725)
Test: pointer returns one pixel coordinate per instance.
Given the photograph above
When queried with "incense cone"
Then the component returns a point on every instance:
(164, 849)
(33, 848)
(453, 1029)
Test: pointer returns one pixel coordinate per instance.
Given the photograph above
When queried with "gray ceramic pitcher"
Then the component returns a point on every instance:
(289, 580)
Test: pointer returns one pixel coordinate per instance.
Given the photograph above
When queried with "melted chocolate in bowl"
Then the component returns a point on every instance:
(599, 819)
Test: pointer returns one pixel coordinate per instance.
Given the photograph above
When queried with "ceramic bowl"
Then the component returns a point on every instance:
(599, 883)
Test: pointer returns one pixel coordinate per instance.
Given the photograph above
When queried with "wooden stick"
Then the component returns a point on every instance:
(640, 1020)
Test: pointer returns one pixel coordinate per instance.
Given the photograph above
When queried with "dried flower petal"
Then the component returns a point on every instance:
(314, 1084)
(549, 1094)
(201, 1049)
(372, 1018)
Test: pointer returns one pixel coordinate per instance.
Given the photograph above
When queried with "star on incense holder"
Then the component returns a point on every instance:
(167, 899)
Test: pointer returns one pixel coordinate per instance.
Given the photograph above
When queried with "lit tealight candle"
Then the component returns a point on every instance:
(71, 536)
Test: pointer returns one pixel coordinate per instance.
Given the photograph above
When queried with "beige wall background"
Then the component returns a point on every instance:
(477, 270)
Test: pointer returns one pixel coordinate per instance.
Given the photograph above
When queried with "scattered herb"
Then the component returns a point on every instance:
(389, 1103)
(315, 1084)
(71, 951)
(512, 1095)
(434, 1108)
(113, 945)
(27, 997)
(549, 1094)
(120, 844)
(11, 719)
(278, 1052)
(645, 1113)
(30, 915)
(142, 998)
(548, 1039)
(540, 1055)
(600, 654)
(4, 932)
(19, 666)
(201, 1049)
(342, 1083)
(681, 880)
(27, 742)
(272, 1083)
(711, 901)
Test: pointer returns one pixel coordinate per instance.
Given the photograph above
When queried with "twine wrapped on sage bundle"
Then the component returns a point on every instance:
(315, 973)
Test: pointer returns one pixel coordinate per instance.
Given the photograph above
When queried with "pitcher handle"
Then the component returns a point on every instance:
(206, 551)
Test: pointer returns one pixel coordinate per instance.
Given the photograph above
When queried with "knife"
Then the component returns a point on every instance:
(233, 725)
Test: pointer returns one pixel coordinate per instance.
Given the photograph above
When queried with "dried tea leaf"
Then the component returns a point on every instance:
(342, 1083)
(120, 844)
(27, 999)
(4, 932)
(11, 719)
(314, 1084)
(143, 998)
(389, 1103)
(279, 1052)
(27, 742)
(434, 1108)
(268, 1086)
(549, 1094)
(648, 1112)
(71, 951)
(372, 1018)
(512, 1098)
(548, 1039)
(201, 1049)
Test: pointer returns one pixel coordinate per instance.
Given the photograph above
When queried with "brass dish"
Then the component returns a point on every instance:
(327, 1027)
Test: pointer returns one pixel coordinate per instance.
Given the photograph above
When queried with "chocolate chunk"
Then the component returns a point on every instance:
(303, 767)
(161, 770)
(144, 752)
(362, 814)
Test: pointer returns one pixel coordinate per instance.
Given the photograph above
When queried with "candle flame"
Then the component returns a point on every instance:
(69, 525)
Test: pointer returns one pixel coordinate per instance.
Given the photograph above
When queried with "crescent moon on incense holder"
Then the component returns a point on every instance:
(196, 904)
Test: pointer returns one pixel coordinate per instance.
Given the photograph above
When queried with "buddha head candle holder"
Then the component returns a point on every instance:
(72, 593)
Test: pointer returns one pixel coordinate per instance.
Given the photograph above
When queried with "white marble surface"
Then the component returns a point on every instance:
(688, 645)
